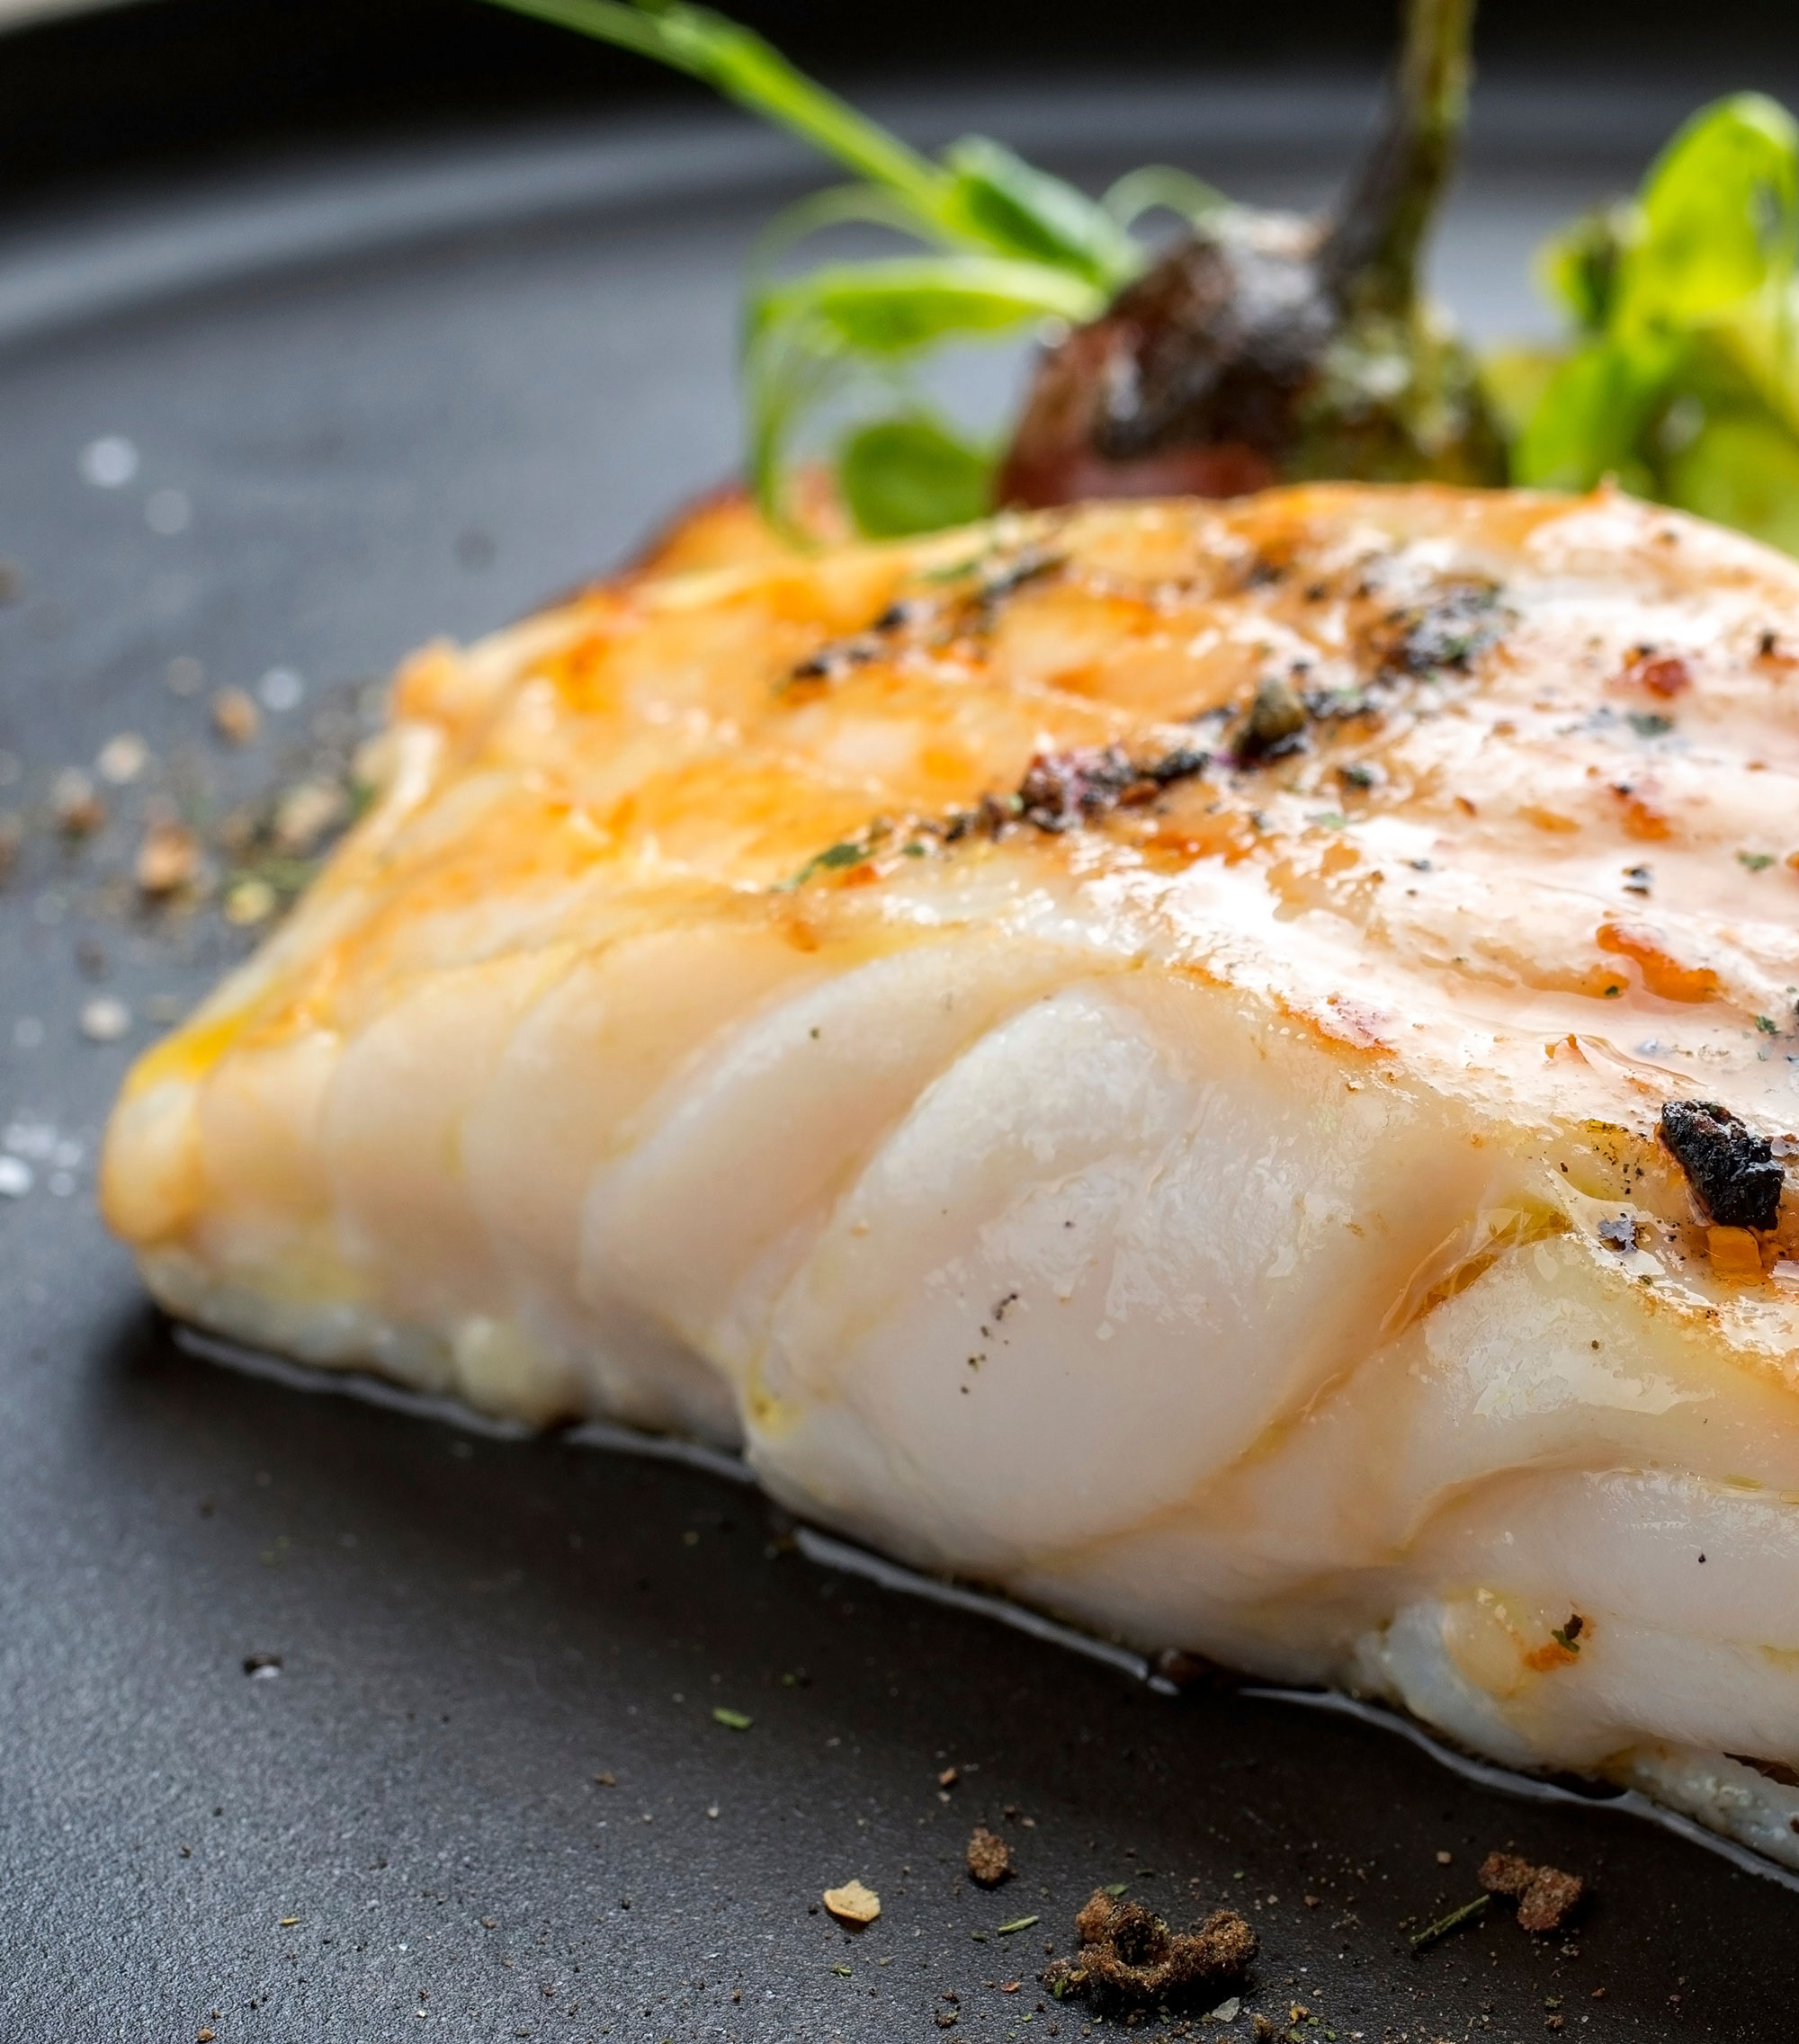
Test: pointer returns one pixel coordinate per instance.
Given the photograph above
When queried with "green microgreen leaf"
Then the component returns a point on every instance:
(1008, 245)
(1720, 210)
(737, 63)
(732, 1720)
(1161, 185)
(1010, 205)
(899, 305)
(1685, 384)
(911, 474)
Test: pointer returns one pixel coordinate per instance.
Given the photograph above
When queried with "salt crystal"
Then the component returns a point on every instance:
(110, 462)
(105, 1019)
(121, 758)
(281, 689)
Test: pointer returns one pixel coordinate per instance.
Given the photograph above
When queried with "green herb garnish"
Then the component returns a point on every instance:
(1422, 1939)
(1006, 246)
(732, 1720)
(1682, 378)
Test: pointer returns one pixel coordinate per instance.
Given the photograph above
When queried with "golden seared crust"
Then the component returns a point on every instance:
(1499, 786)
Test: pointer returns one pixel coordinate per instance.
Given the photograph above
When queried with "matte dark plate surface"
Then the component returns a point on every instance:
(409, 393)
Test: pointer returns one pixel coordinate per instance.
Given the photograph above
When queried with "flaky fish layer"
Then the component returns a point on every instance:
(1123, 1053)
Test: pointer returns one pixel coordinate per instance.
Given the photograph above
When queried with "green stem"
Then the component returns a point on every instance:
(737, 63)
(1422, 1940)
(1372, 256)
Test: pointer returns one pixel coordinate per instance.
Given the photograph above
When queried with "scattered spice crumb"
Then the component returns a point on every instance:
(852, 1903)
(78, 811)
(1546, 1896)
(122, 758)
(235, 718)
(168, 860)
(1130, 1960)
(988, 1857)
(305, 812)
(607, 1780)
(949, 1778)
(249, 901)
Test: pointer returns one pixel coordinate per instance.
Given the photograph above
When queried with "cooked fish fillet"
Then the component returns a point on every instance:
(1224, 1068)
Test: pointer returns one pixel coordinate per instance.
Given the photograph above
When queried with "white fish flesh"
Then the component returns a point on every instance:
(1222, 1068)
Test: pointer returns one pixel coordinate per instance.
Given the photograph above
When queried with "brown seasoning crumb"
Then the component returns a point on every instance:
(235, 716)
(78, 811)
(168, 860)
(1546, 1896)
(989, 1857)
(852, 1903)
(1129, 1958)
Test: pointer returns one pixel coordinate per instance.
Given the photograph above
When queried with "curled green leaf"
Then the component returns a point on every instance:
(911, 474)
(901, 303)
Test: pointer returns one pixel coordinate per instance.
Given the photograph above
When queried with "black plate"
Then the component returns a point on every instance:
(407, 390)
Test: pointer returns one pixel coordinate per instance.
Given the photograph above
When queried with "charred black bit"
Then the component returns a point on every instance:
(832, 662)
(1447, 633)
(1180, 764)
(1733, 1171)
(838, 656)
(1130, 1960)
(1062, 789)
(1001, 579)
(1638, 880)
(1277, 721)
(896, 617)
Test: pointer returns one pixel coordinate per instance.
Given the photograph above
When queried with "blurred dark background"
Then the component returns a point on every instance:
(142, 84)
